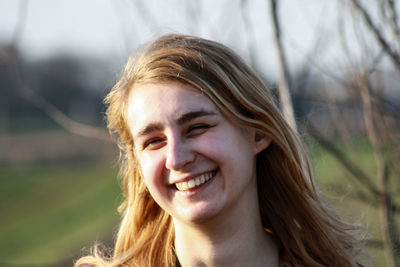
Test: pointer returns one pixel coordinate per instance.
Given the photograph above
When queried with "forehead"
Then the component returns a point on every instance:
(157, 102)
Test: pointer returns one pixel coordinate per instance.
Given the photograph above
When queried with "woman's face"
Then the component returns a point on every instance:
(195, 163)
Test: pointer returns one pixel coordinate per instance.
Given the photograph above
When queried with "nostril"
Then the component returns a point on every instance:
(178, 156)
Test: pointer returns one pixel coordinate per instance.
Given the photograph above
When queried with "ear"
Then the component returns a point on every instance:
(261, 142)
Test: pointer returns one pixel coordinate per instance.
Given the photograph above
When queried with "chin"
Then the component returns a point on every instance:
(199, 215)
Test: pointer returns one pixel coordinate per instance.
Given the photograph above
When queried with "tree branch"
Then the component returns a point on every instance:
(394, 19)
(52, 111)
(21, 22)
(342, 158)
(393, 55)
(10, 57)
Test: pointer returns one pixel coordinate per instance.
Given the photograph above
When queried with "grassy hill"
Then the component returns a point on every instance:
(50, 211)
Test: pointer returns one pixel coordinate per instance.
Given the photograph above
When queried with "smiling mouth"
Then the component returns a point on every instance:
(195, 182)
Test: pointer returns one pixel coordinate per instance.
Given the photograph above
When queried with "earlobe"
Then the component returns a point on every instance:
(261, 142)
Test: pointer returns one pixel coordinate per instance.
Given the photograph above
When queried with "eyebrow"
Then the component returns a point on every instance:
(152, 127)
(184, 118)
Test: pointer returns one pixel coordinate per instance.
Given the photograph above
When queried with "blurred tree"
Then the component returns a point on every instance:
(376, 117)
(377, 39)
(66, 75)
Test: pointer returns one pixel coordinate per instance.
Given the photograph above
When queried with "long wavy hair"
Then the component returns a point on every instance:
(308, 232)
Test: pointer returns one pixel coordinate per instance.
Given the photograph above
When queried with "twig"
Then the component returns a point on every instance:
(31, 96)
(21, 22)
(342, 158)
(394, 20)
(393, 55)
(388, 225)
(52, 111)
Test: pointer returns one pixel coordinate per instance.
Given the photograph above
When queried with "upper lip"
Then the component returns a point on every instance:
(189, 177)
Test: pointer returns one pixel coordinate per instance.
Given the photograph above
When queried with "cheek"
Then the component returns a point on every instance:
(230, 144)
(234, 151)
(151, 166)
(213, 146)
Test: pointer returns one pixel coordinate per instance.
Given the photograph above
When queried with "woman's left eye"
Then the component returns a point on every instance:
(153, 143)
(197, 129)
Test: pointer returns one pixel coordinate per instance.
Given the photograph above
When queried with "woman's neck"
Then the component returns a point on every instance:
(235, 239)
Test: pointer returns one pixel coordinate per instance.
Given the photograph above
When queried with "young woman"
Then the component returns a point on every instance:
(212, 173)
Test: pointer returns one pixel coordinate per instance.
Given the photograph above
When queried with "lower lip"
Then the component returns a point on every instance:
(196, 190)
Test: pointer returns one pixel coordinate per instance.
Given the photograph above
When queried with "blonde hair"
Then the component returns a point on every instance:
(308, 232)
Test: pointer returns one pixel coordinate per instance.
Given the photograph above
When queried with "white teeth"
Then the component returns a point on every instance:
(183, 186)
(191, 184)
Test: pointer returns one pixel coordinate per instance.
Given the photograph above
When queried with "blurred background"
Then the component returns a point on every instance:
(339, 61)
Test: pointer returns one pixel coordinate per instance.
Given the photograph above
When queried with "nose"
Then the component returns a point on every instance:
(179, 154)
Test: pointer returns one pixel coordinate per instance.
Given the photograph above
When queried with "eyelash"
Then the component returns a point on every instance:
(192, 131)
(200, 127)
(152, 141)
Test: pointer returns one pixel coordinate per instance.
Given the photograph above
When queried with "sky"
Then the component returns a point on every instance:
(115, 28)
(57, 26)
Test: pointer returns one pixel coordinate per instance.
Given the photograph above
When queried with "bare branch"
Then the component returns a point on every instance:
(394, 19)
(52, 111)
(393, 55)
(389, 231)
(355, 193)
(310, 61)
(31, 96)
(337, 118)
(342, 158)
(21, 22)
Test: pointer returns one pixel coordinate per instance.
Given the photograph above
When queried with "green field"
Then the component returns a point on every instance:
(50, 211)
(338, 186)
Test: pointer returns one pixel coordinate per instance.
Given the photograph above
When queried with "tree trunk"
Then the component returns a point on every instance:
(388, 225)
(284, 79)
